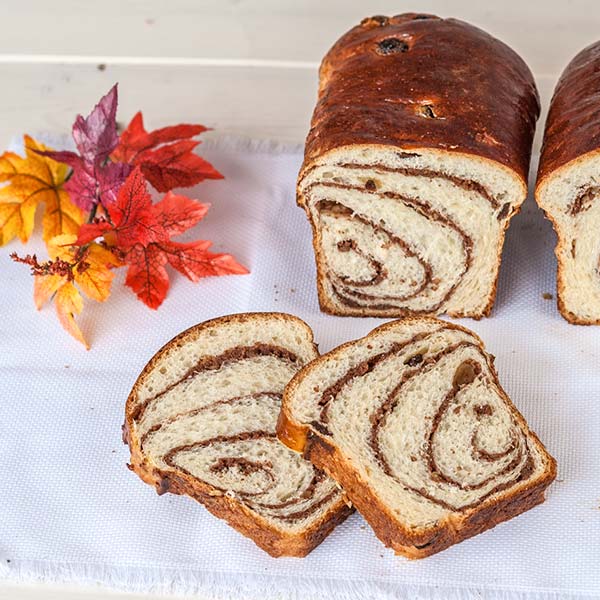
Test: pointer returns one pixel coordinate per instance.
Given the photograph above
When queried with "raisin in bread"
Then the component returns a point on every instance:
(568, 185)
(417, 158)
(201, 420)
(412, 422)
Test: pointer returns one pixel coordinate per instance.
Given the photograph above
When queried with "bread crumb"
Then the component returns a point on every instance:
(101, 67)
(547, 296)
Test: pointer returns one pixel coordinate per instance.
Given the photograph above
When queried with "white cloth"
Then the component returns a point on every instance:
(71, 511)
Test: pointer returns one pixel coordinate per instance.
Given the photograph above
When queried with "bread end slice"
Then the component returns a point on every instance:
(276, 536)
(383, 503)
(569, 198)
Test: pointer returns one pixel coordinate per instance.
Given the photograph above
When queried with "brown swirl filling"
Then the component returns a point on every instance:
(308, 500)
(356, 299)
(466, 374)
(584, 200)
(213, 363)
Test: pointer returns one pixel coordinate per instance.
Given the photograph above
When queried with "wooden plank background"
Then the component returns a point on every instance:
(244, 67)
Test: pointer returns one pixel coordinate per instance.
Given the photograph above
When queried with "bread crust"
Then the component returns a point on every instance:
(272, 540)
(368, 99)
(420, 542)
(571, 135)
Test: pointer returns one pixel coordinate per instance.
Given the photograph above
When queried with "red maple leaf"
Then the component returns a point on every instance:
(165, 155)
(142, 233)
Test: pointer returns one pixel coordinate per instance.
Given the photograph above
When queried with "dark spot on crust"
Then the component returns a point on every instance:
(422, 17)
(426, 110)
(162, 487)
(391, 45)
(573, 246)
(370, 185)
(413, 361)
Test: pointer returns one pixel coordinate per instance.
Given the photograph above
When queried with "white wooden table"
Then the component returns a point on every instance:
(243, 67)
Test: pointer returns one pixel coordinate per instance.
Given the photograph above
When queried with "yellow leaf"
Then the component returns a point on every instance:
(61, 246)
(32, 180)
(44, 286)
(61, 215)
(95, 281)
(69, 303)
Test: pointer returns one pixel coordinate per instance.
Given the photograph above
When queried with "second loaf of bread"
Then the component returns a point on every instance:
(416, 160)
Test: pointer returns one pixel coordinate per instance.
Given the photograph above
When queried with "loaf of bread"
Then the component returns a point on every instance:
(568, 185)
(417, 158)
(412, 422)
(201, 420)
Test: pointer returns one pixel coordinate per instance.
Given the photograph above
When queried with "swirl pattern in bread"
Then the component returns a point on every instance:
(412, 422)
(416, 160)
(201, 421)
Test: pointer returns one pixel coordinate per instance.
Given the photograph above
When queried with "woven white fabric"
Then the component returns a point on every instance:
(71, 511)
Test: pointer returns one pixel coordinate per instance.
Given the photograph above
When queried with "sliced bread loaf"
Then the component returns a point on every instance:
(201, 420)
(413, 423)
(416, 160)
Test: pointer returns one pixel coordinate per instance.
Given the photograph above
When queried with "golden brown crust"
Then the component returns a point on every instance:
(413, 543)
(572, 127)
(239, 516)
(372, 91)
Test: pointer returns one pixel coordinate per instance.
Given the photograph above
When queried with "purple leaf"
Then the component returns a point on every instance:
(92, 184)
(96, 135)
(110, 179)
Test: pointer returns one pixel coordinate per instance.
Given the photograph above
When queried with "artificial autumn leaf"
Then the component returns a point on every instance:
(177, 214)
(92, 183)
(142, 232)
(96, 135)
(32, 180)
(194, 261)
(90, 269)
(68, 302)
(165, 155)
(147, 275)
(131, 217)
(94, 180)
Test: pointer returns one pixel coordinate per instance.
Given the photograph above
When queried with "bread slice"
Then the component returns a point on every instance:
(201, 420)
(412, 422)
(568, 185)
(416, 160)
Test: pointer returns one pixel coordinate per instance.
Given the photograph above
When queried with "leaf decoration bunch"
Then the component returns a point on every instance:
(99, 213)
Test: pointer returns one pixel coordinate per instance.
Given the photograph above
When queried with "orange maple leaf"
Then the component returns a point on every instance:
(32, 180)
(92, 274)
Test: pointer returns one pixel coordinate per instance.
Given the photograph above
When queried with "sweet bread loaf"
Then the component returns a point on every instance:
(201, 420)
(412, 422)
(568, 185)
(416, 160)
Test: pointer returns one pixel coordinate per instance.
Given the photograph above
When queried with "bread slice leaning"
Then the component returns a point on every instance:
(412, 422)
(200, 420)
